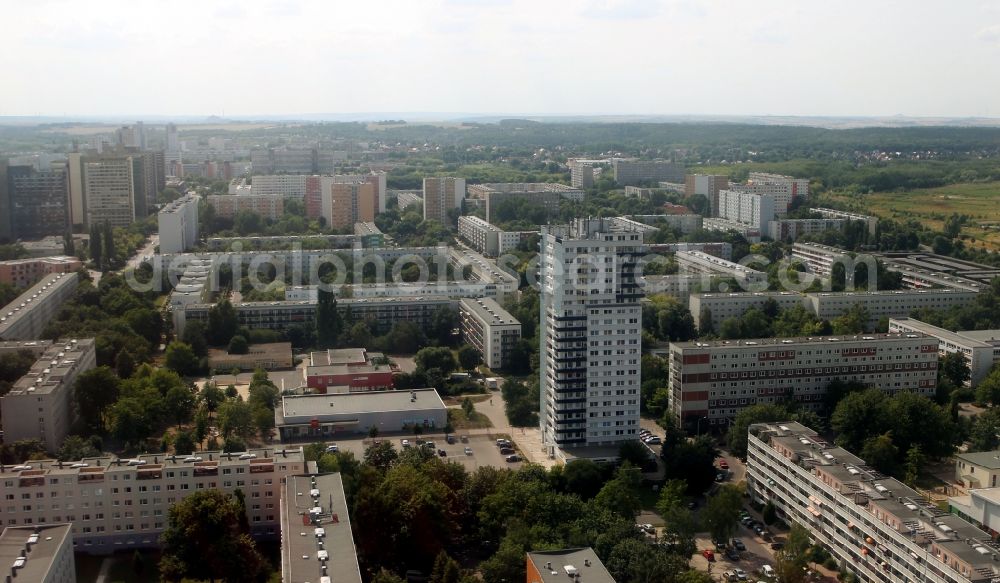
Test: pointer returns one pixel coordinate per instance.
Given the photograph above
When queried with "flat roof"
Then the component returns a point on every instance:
(990, 337)
(109, 463)
(52, 367)
(555, 566)
(45, 546)
(956, 337)
(984, 459)
(296, 407)
(778, 342)
(302, 541)
(490, 311)
(21, 305)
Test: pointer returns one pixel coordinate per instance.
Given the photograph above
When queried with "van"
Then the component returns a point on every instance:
(767, 570)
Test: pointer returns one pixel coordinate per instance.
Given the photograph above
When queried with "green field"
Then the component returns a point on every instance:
(980, 201)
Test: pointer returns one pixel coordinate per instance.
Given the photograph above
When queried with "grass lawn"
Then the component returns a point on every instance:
(931, 206)
(459, 420)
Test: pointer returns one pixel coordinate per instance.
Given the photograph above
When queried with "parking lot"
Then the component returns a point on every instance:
(484, 449)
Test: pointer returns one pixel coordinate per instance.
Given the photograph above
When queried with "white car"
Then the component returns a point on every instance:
(406, 443)
(653, 440)
(332, 448)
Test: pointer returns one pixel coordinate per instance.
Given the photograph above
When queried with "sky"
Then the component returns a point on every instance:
(631, 57)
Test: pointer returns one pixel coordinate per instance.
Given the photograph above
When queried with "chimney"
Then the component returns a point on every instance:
(586, 562)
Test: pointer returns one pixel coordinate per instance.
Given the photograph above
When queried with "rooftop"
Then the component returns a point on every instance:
(488, 310)
(295, 408)
(43, 543)
(961, 338)
(150, 462)
(983, 459)
(51, 368)
(22, 305)
(798, 340)
(558, 566)
(315, 520)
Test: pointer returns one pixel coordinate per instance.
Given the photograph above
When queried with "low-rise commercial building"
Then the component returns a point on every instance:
(490, 329)
(316, 540)
(299, 417)
(27, 315)
(715, 380)
(347, 370)
(978, 470)
(116, 504)
(577, 564)
(40, 404)
(25, 272)
(39, 554)
(267, 356)
(178, 224)
(880, 529)
(981, 506)
(981, 348)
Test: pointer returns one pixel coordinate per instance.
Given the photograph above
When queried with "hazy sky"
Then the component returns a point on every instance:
(233, 58)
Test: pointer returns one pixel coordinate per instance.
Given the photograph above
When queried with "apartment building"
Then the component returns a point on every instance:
(116, 504)
(555, 566)
(792, 229)
(707, 185)
(871, 222)
(286, 185)
(347, 370)
(292, 160)
(39, 554)
(109, 191)
(27, 315)
(227, 205)
(178, 224)
(275, 242)
(316, 539)
(490, 329)
(711, 309)
(784, 189)
(344, 203)
(641, 171)
(581, 173)
(590, 329)
(321, 416)
(40, 404)
(979, 469)
(915, 277)
(747, 231)
(679, 285)
(407, 198)
(882, 530)
(483, 236)
(35, 203)
(748, 208)
(547, 194)
(25, 272)
(820, 259)
(35, 347)
(716, 380)
(981, 348)
(941, 265)
(686, 222)
(887, 304)
(632, 225)
(442, 194)
(699, 262)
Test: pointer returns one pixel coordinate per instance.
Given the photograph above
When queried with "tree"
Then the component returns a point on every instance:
(131, 422)
(124, 364)
(239, 345)
(180, 402)
(75, 448)
(634, 453)
(205, 539)
(468, 357)
(95, 247)
(181, 359)
(110, 252)
(222, 323)
(194, 336)
(583, 477)
(621, 494)
(722, 512)
(881, 453)
(438, 357)
(212, 396)
(988, 390)
(95, 391)
(860, 415)
(263, 420)
(915, 460)
(955, 367)
(769, 514)
(468, 407)
(200, 426)
(762, 413)
(381, 455)
(328, 321)
(184, 443)
(236, 417)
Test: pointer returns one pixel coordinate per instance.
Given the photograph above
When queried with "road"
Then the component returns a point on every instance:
(146, 251)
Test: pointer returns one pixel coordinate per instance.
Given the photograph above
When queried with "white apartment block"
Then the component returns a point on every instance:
(686, 223)
(406, 198)
(116, 504)
(870, 221)
(981, 348)
(887, 304)
(39, 554)
(699, 262)
(581, 173)
(636, 171)
(784, 189)
(722, 306)
(915, 277)
(716, 380)
(27, 315)
(785, 229)
(490, 329)
(178, 224)
(882, 530)
(678, 285)
(749, 232)
(591, 324)
(109, 191)
(40, 404)
(820, 259)
(484, 237)
(632, 225)
(756, 210)
(718, 249)
(228, 205)
(287, 185)
(442, 194)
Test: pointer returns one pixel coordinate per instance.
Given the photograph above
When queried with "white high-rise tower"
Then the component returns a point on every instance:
(591, 329)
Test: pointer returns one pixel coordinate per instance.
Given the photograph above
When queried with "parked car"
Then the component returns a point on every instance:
(503, 442)
(406, 443)
(506, 450)
(430, 445)
(741, 575)
(513, 458)
(777, 546)
(654, 440)
(647, 528)
(738, 545)
(465, 439)
(729, 575)
(450, 439)
(468, 451)
(724, 464)
(732, 554)
(767, 571)
(708, 554)
(442, 453)
(332, 448)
